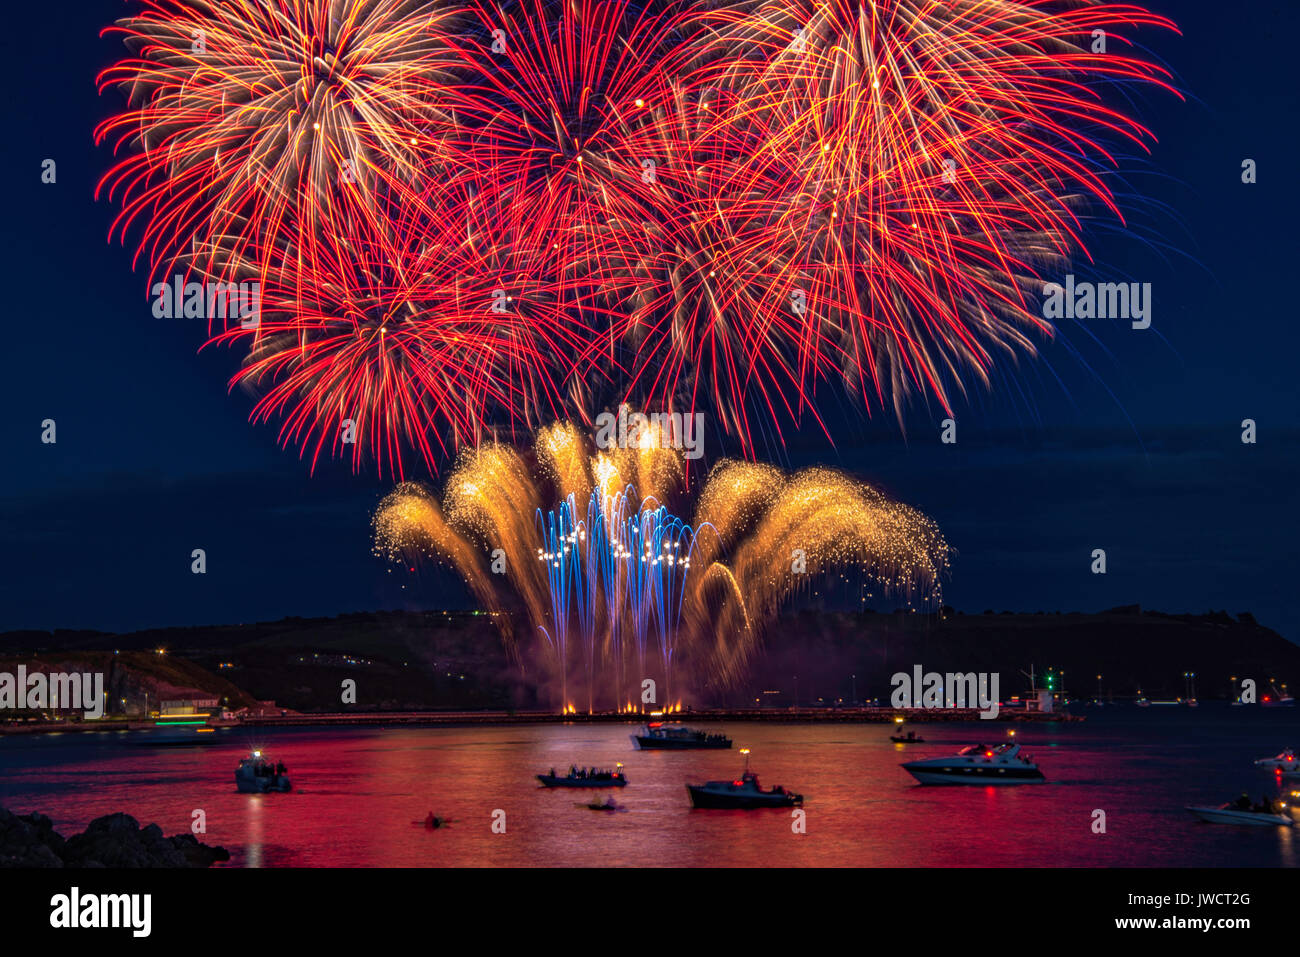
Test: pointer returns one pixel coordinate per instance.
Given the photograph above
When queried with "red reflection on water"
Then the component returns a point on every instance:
(360, 796)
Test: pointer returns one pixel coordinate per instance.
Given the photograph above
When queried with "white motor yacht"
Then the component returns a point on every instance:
(1285, 762)
(1244, 817)
(978, 764)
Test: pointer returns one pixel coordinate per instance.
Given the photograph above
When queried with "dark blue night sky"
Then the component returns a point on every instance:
(1120, 439)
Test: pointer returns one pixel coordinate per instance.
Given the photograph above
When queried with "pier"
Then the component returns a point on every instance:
(434, 718)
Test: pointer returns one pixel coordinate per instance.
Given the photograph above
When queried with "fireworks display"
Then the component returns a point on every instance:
(614, 587)
(466, 214)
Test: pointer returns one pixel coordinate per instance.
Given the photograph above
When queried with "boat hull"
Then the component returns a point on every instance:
(1219, 815)
(711, 800)
(1278, 766)
(192, 738)
(262, 785)
(980, 775)
(550, 782)
(645, 743)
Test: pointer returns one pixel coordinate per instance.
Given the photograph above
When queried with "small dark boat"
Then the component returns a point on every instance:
(607, 805)
(909, 738)
(172, 735)
(256, 775)
(657, 736)
(742, 794)
(585, 778)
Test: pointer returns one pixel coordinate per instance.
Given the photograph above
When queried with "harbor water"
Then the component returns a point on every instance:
(360, 793)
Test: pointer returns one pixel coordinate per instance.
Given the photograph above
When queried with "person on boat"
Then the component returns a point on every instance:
(552, 772)
(432, 821)
(1243, 802)
(279, 768)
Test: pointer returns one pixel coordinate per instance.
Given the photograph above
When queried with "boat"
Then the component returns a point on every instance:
(657, 736)
(1235, 814)
(607, 805)
(1277, 699)
(1284, 762)
(172, 736)
(1273, 699)
(585, 778)
(909, 738)
(744, 793)
(256, 775)
(978, 764)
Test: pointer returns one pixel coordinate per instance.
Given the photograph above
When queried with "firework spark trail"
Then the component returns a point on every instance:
(413, 517)
(418, 337)
(732, 206)
(560, 555)
(547, 94)
(619, 581)
(613, 573)
(705, 284)
(735, 496)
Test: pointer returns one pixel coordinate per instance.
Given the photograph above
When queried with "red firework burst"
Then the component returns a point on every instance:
(248, 115)
(929, 160)
(547, 95)
(722, 207)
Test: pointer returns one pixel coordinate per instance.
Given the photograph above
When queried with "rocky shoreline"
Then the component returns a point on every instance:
(111, 841)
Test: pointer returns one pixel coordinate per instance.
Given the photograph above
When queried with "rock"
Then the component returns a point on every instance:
(198, 855)
(114, 841)
(28, 841)
(45, 832)
(37, 856)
